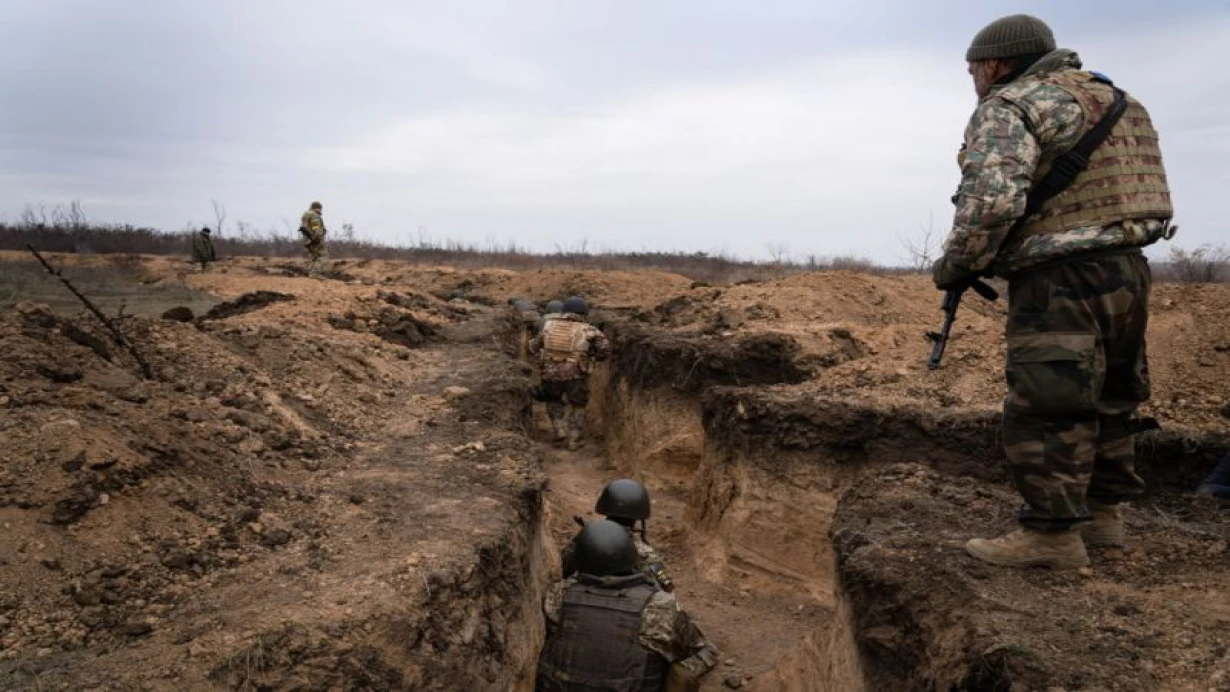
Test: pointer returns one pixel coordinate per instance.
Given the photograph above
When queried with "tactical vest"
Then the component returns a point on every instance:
(597, 645)
(1125, 178)
(563, 341)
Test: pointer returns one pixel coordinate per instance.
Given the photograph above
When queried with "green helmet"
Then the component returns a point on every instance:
(555, 306)
(624, 499)
(605, 549)
(576, 306)
(316, 206)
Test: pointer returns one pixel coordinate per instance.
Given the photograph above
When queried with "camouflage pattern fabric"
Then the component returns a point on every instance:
(1077, 370)
(203, 250)
(567, 348)
(665, 629)
(566, 401)
(312, 227)
(645, 553)
(1010, 139)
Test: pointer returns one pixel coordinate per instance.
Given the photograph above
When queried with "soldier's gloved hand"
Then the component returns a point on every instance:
(947, 275)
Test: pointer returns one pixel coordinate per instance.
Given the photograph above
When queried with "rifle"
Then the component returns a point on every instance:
(952, 300)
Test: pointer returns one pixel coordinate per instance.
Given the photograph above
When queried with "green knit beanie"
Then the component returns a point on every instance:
(1008, 37)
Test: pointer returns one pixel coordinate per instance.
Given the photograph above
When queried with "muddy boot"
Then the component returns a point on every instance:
(1030, 548)
(560, 429)
(1106, 529)
(576, 427)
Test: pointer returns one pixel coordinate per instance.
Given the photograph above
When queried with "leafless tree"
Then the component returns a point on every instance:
(1204, 265)
(779, 253)
(219, 216)
(922, 250)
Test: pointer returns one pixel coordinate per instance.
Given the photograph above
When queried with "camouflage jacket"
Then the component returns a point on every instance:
(1004, 142)
(312, 226)
(567, 348)
(203, 248)
(665, 629)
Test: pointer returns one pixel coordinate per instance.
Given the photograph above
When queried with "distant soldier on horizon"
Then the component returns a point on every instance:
(203, 249)
(312, 228)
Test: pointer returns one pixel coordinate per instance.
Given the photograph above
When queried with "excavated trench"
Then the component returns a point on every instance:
(748, 476)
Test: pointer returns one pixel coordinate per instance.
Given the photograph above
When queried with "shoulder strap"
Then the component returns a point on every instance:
(1067, 166)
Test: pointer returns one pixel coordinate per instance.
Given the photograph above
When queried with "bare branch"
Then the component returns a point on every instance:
(111, 325)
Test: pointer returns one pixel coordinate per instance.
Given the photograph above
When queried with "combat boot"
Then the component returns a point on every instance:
(1031, 548)
(560, 426)
(576, 427)
(1106, 529)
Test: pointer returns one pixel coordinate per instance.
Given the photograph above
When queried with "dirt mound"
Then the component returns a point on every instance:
(864, 336)
(331, 271)
(961, 624)
(245, 303)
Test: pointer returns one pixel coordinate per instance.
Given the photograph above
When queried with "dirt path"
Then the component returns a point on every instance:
(753, 630)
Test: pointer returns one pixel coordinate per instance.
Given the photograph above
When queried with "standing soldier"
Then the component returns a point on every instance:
(567, 349)
(312, 228)
(203, 249)
(1077, 280)
(609, 628)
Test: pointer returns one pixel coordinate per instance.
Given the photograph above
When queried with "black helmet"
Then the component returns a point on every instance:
(576, 306)
(555, 306)
(206, 230)
(624, 499)
(604, 549)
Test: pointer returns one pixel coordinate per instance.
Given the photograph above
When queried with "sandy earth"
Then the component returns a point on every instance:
(338, 489)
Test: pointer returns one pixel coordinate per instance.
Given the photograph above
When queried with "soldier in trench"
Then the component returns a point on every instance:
(1078, 282)
(525, 314)
(567, 349)
(610, 628)
(626, 502)
(554, 310)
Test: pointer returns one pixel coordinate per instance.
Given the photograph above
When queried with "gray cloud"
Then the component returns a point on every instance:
(829, 127)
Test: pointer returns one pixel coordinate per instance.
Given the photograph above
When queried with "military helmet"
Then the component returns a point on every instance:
(513, 300)
(316, 206)
(604, 549)
(206, 230)
(624, 499)
(555, 306)
(576, 306)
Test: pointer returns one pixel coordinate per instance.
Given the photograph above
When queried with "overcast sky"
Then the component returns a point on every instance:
(826, 126)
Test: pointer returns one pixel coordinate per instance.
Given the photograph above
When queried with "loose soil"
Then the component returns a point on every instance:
(341, 484)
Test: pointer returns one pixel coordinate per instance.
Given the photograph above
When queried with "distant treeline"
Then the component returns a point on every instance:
(71, 232)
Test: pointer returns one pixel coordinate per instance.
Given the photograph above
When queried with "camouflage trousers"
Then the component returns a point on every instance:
(1077, 370)
(317, 254)
(566, 401)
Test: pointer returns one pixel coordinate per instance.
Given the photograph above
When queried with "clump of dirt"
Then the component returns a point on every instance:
(962, 624)
(331, 271)
(394, 326)
(245, 303)
(179, 314)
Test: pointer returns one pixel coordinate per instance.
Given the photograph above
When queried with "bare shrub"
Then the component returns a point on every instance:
(1204, 265)
(924, 248)
(68, 231)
